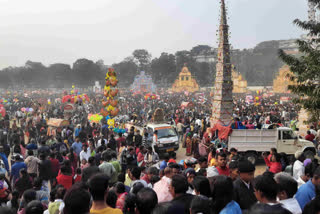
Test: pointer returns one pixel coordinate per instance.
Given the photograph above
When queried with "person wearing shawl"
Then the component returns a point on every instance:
(185, 138)
(188, 145)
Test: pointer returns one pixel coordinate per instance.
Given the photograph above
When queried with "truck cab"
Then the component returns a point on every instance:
(289, 142)
(167, 137)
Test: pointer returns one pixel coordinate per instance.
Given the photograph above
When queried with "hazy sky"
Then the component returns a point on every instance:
(64, 30)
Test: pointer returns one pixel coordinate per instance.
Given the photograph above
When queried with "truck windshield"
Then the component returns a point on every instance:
(164, 133)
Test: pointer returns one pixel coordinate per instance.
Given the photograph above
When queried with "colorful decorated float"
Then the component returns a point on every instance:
(143, 84)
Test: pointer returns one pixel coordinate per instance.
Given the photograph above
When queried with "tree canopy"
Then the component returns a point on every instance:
(306, 68)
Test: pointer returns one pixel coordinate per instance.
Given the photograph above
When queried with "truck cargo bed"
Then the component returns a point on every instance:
(250, 139)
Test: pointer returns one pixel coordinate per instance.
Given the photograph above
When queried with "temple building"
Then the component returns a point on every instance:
(143, 84)
(239, 84)
(282, 81)
(185, 82)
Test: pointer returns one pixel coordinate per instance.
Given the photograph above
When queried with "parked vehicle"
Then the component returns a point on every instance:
(167, 136)
(252, 143)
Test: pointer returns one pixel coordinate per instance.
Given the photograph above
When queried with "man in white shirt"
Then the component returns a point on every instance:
(99, 141)
(85, 153)
(287, 189)
(298, 167)
(198, 122)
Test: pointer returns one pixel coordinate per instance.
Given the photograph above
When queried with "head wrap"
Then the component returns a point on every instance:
(306, 162)
(212, 172)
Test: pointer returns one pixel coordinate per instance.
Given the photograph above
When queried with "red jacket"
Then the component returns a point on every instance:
(65, 180)
(55, 166)
(274, 167)
(77, 178)
(224, 171)
(310, 137)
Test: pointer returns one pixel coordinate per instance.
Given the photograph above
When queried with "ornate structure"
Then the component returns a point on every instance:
(312, 11)
(143, 84)
(281, 83)
(185, 82)
(239, 84)
(222, 105)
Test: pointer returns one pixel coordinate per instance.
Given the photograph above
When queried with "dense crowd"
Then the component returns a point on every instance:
(89, 168)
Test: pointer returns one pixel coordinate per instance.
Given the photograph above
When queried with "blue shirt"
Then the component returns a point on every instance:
(231, 208)
(305, 193)
(77, 132)
(163, 165)
(77, 147)
(15, 169)
(5, 161)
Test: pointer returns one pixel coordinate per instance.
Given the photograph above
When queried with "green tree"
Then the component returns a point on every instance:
(126, 71)
(86, 72)
(143, 57)
(163, 70)
(306, 68)
(201, 49)
(60, 75)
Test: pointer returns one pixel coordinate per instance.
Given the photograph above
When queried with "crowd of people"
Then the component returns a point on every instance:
(87, 167)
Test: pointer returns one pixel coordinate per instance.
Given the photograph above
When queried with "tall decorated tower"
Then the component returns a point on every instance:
(222, 105)
(311, 11)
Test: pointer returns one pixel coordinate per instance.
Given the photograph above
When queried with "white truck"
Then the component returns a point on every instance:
(167, 136)
(252, 143)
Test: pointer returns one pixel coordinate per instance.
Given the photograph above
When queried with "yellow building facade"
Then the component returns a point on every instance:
(239, 84)
(185, 82)
(282, 81)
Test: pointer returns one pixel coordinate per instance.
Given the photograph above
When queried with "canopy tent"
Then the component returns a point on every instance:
(54, 122)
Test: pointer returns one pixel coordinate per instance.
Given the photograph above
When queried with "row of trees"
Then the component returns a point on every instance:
(84, 72)
(258, 66)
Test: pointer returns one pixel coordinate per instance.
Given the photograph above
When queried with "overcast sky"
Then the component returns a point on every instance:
(53, 31)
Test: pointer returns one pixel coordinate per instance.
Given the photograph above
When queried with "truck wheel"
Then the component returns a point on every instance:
(309, 154)
(252, 158)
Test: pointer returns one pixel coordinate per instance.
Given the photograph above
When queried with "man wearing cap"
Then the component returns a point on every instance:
(243, 189)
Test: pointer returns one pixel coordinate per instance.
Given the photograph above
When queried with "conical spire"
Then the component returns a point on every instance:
(222, 105)
(224, 46)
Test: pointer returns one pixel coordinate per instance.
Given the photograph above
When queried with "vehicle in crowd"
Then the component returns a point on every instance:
(252, 143)
(167, 136)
